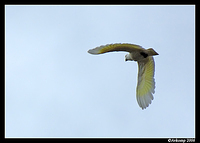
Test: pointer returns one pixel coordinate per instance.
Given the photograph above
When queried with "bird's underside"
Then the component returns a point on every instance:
(146, 67)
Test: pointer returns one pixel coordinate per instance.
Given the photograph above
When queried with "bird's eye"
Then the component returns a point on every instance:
(144, 54)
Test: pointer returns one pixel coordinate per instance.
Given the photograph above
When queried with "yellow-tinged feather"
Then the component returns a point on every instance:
(146, 83)
(115, 47)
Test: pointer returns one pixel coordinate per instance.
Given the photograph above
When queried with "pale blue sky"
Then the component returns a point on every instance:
(54, 88)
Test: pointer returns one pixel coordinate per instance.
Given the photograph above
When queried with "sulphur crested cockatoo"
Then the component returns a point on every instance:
(146, 67)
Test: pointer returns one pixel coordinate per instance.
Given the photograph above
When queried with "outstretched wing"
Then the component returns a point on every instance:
(115, 47)
(146, 82)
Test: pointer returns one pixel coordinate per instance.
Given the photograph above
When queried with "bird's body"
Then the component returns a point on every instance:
(146, 68)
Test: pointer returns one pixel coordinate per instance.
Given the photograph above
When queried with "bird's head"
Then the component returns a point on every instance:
(128, 57)
(152, 52)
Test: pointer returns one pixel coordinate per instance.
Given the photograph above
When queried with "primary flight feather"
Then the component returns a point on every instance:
(146, 68)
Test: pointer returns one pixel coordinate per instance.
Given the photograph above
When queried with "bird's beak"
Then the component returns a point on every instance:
(126, 60)
(156, 53)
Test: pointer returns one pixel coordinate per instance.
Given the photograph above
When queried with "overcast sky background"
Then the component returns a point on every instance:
(54, 88)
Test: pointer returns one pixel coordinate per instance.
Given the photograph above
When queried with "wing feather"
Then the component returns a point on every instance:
(115, 47)
(146, 82)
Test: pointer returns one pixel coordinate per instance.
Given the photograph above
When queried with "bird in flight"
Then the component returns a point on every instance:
(146, 67)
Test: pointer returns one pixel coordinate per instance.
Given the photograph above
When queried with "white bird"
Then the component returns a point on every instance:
(146, 68)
